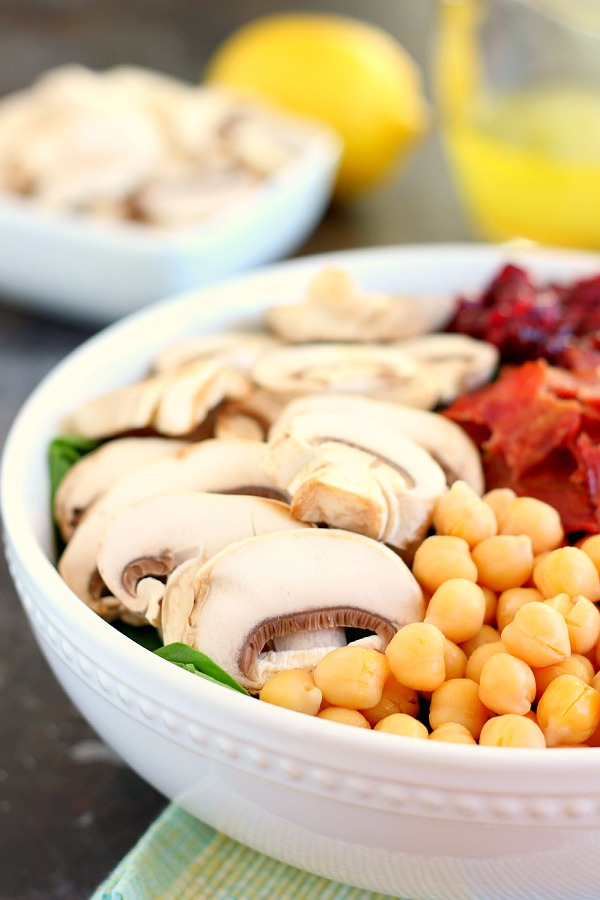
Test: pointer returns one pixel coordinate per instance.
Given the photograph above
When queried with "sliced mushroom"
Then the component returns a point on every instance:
(212, 465)
(238, 349)
(335, 309)
(460, 363)
(250, 417)
(271, 585)
(143, 543)
(98, 470)
(173, 402)
(446, 441)
(371, 369)
(357, 473)
(183, 199)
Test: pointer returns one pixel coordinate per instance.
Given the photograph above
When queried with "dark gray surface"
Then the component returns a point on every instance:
(69, 810)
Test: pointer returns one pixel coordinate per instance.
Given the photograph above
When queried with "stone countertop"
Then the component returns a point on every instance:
(69, 808)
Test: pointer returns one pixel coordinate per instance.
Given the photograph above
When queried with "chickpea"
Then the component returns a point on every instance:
(458, 701)
(457, 608)
(538, 520)
(595, 682)
(511, 600)
(416, 656)
(344, 716)
(498, 499)
(503, 561)
(591, 546)
(452, 733)
(583, 625)
(507, 685)
(455, 660)
(561, 603)
(568, 711)
(480, 656)
(491, 604)
(441, 557)
(462, 513)
(293, 689)
(400, 723)
(538, 635)
(510, 730)
(396, 698)
(486, 635)
(352, 676)
(567, 570)
(576, 664)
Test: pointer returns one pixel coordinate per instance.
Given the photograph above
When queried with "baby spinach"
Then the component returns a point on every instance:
(145, 635)
(63, 453)
(199, 663)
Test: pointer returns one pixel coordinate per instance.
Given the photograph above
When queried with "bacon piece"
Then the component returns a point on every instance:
(538, 429)
(526, 420)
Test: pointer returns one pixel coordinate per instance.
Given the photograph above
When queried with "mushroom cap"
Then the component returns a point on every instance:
(174, 402)
(371, 369)
(461, 363)
(144, 542)
(335, 309)
(354, 472)
(237, 349)
(250, 417)
(270, 585)
(98, 470)
(446, 441)
(217, 466)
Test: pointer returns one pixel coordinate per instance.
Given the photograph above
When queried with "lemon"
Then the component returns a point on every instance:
(353, 76)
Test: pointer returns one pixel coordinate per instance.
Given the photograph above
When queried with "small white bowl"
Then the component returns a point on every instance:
(417, 819)
(96, 272)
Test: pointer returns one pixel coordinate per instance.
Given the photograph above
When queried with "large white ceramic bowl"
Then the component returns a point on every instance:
(91, 271)
(420, 820)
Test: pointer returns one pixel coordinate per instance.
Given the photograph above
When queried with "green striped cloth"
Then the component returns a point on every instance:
(181, 858)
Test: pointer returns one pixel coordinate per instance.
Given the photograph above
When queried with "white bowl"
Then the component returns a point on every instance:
(96, 272)
(422, 820)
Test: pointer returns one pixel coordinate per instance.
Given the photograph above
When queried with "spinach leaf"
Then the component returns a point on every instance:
(63, 453)
(145, 635)
(199, 663)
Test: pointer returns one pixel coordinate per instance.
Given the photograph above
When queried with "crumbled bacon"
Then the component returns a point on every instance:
(538, 429)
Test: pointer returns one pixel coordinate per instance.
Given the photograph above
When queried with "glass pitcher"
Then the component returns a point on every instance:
(517, 87)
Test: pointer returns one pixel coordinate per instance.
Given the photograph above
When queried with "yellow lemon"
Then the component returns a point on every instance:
(351, 75)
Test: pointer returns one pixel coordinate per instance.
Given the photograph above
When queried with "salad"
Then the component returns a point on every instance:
(381, 510)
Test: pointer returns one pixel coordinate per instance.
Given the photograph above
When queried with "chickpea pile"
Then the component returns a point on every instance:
(508, 653)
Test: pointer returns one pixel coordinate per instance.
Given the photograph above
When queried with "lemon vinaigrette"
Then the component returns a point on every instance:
(518, 96)
(528, 164)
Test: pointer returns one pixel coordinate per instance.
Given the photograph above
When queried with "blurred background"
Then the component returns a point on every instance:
(178, 37)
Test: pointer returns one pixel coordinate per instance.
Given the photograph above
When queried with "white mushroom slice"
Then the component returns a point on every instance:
(143, 543)
(215, 466)
(459, 362)
(258, 144)
(370, 369)
(98, 470)
(78, 156)
(185, 200)
(249, 418)
(173, 402)
(238, 349)
(267, 586)
(353, 472)
(446, 441)
(335, 309)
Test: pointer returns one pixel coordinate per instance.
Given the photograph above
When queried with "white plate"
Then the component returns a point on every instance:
(94, 272)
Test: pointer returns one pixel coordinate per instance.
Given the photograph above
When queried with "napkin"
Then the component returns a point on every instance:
(181, 858)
